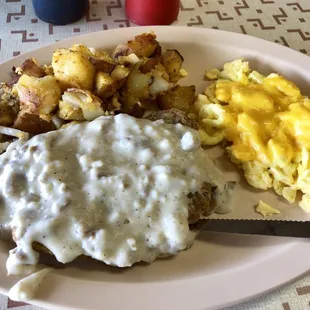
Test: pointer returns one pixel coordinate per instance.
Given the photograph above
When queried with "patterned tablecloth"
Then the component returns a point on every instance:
(283, 21)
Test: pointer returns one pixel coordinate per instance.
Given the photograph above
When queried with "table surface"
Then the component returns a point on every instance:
(283, 21)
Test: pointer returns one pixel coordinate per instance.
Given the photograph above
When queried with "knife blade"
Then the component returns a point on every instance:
(259, 227)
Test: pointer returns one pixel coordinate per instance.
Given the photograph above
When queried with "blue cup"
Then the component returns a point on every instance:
(60, 12)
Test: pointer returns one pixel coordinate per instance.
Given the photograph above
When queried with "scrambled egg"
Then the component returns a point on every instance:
(266, 121)
(265, 209)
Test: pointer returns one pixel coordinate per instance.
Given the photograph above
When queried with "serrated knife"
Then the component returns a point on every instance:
(259, 227)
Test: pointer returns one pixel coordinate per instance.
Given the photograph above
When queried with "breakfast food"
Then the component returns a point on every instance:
(265, 209)
(126, 195)
(92, 180)
(81, 84)
(102, 153)
(264, 120)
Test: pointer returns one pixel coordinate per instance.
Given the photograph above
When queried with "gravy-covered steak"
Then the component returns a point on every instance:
(172, 116)
(206, 199)
(118, 189)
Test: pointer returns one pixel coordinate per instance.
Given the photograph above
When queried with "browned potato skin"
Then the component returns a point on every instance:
(179, 97)
(172, 60)
(157, 52)
(14, 79)
(121, 50)
(150, 104)
(30, 68)
(150, 64)
(102, 65)
(32, 123)
(143, 45)
(137, 111)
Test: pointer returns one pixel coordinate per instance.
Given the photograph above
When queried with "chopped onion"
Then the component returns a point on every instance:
(58, 122)
(14, 133)
(4, 146)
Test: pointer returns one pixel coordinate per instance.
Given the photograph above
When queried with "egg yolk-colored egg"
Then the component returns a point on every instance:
(268, 122)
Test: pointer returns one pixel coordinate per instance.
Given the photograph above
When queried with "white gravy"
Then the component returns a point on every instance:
(114, 189)
(25, 289)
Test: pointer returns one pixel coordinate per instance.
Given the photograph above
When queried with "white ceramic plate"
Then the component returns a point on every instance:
(220, 269)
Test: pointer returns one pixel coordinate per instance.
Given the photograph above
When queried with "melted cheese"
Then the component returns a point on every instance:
(115, 189)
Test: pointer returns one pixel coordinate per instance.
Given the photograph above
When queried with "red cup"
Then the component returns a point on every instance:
(152, 12)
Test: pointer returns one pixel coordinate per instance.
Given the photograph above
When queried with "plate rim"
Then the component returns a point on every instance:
(302, 61)
(140, 29)
(153, 290)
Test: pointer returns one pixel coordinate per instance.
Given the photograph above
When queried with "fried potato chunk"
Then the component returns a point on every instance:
(179, 97)
(32, 123)
(131, 61)
(79, 105)
(107, 85)
(9, 105)
(73, 69)
(102, 65)
(100, 59)
(70, 111)
(32, 68)
(120, 72)
(135, 90)
(172, 60)
(38, 96)
(143, 45)
(149, 64)
(160, 81)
